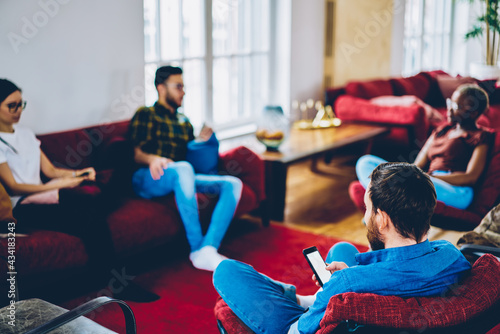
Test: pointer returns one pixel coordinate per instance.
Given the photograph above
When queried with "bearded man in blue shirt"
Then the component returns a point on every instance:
(400, 201)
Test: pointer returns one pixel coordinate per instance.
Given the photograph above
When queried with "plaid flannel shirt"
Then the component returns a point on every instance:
(155, 130)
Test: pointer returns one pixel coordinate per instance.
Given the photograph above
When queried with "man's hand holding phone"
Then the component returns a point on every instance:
(317, 264)
(332, 267)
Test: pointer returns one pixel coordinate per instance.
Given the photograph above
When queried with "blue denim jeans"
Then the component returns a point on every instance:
(263, 304)
(455, 196)
(179, 177)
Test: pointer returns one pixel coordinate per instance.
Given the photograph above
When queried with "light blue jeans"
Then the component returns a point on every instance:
(455, 196)
(179, 177)
(263, 304)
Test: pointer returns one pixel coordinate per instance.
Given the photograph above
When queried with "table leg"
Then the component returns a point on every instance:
(276, 173)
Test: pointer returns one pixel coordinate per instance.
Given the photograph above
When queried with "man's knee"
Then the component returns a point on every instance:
(181, 170)
(233, 184)
(341, 251)
(225, 273)
(366, 161)
(182, 167)
(226, 267)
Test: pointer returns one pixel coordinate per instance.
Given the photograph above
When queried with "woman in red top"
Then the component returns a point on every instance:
(455, 154)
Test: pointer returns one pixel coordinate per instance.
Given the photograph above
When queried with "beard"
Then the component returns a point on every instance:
(374, 238)
(171, 102)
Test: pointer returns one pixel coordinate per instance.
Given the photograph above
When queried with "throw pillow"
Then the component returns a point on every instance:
(435, 117)
(369, 89)
(204, 155)
(447, 85)
(418, 85)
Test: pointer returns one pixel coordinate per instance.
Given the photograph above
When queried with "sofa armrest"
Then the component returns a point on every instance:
(349, 108)
(247, 166)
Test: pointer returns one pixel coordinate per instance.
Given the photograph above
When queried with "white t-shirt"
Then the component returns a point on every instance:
(25, 164)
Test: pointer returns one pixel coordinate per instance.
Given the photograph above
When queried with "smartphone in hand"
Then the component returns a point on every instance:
(318, 265)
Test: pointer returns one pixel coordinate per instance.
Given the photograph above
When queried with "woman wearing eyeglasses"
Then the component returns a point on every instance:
(455, 154)
(36, 204)
(21, 159)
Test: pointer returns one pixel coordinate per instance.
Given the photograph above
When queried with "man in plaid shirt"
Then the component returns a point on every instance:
(160, 135)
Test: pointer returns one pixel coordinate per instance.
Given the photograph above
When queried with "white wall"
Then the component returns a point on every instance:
(78, 62)
(307, 50)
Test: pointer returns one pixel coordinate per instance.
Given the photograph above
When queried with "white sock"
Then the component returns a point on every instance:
(306, 301)
(206, 258)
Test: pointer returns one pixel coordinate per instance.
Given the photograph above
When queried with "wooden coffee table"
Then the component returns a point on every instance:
(302, 145)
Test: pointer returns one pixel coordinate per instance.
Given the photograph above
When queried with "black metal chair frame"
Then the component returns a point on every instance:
(84, 309)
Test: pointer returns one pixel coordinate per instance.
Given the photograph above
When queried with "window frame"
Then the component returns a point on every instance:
(445, 33)
(208, 60)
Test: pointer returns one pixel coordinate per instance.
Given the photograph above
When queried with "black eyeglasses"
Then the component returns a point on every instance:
(13, 107)
(452, 105)
(178, 86)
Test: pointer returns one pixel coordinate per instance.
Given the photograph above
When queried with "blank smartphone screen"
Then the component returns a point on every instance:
(319, 265)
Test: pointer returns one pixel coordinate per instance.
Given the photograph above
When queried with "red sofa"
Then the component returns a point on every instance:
(409, 124)
(410, 127)
(137, 224)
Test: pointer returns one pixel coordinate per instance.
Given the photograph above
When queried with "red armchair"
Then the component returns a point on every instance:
(469, 307)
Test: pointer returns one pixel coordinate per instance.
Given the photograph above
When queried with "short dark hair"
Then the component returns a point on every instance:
(406, 194)
(6, 88)
(162, 73)
(476, 97)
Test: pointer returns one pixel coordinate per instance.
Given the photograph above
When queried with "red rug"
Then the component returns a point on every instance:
(187, 295)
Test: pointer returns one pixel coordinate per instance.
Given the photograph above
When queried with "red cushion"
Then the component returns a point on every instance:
(435, 98)
(488, 190)
(349, 108)
(369, 89)
(495, 330)
(476, 294)
(491, 118)
(448, 85)
(229, 320)
(417, 85)
(456, 217)
(80, 147)
(357, 194)
(248, 167)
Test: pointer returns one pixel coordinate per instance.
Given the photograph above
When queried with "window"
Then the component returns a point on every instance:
(427, 35)
(223, 47)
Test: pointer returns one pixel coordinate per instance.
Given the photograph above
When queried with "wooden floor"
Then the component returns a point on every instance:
(318, 202)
